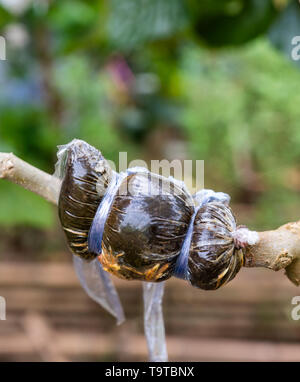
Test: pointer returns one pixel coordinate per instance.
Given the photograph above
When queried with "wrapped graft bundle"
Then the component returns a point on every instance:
(142, 226)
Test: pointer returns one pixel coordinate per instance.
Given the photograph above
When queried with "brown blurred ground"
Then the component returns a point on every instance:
(50, 318)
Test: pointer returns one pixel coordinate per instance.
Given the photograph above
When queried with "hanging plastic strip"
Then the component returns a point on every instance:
(154, 321)
(99, 286)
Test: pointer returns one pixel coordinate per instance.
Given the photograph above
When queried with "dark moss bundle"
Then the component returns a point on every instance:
(145, 228)
(146, 223)
(213, 260)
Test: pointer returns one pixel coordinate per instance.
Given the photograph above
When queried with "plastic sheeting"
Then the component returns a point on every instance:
(154, 321)
(98, 285)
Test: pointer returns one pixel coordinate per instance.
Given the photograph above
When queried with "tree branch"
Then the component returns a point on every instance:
(278, 249)
(17, 171)
(275, 249)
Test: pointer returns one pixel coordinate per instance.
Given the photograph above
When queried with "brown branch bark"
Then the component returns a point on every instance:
(276, 249)
(17, 171)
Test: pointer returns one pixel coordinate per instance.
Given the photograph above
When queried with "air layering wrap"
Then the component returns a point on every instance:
(144, 226)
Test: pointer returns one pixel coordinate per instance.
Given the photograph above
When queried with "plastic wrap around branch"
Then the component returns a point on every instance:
(91, 169)
(98, 224)
(201, 197)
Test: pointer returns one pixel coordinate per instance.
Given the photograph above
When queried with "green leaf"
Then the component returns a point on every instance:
(69, 15)
(239, 22)
(5, 17)
(133, 22)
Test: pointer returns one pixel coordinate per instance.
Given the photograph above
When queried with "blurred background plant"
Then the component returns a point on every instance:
(186, 79)
(176, 79)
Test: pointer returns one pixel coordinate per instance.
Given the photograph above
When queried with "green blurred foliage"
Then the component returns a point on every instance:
(131, 23)
(241, 103)
(237, 99)
(112, 73)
